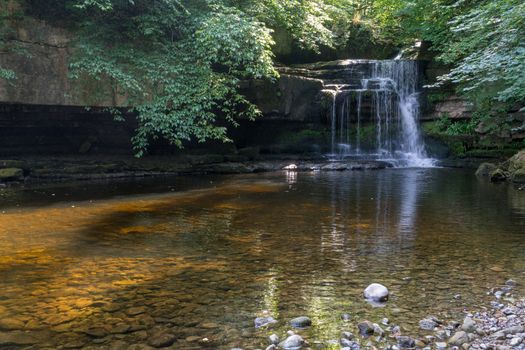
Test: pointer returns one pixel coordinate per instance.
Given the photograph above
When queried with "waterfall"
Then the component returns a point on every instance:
(383, 96)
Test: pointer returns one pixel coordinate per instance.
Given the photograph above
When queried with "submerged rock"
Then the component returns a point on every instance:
(301, 322)
(162, 340)
(366, 328)
(376, 292)
(346, 317)
(264, 321)
(428, 324)
(274, 339)
(293, 342)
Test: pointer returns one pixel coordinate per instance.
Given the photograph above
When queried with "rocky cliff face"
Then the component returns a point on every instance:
(40, 62)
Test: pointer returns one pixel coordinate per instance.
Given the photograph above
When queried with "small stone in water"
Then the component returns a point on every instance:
(441, 346)
(376, 292)
(264, 321)
(347, 335)
(293, 342)
(459, 338)
(468, 325)
(346, 317)
(405, 342)
(385, 321)
(274, 339)
(301, 322)
(516, 341)
(427, 324)
(162, 340)
(366, 328)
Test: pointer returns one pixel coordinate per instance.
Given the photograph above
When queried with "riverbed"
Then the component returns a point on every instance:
(107, 265)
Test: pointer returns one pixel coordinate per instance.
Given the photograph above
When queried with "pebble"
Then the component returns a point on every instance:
(459, 338)
(274, 339)
(428, 324)
(366, 328)
(468, 325)
(441, 345)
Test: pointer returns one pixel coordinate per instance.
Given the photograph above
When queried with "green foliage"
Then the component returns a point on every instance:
(179, 67)
(488, 50)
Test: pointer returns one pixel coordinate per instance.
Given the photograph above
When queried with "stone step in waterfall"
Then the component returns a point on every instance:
(382, 94)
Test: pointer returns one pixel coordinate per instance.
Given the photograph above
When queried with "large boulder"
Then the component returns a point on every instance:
(376, 292)
(485, 169)
(498, 175)
(519, 176)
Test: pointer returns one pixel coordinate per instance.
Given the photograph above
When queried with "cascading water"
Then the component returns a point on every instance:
(384, 96)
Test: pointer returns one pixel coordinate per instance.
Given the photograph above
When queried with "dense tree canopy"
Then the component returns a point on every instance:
(179, 62)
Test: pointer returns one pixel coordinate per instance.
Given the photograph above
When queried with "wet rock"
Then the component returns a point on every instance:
(11, 323)
(274, 339)
(335, 166)
(209, 325)
(75, 344)
(139, 347)
(514, 329)
(376, 292)
(293, 342)
(301, 322)
(428, 324)
(468, 325)
(264, 321)
(441, 345)
(346, 317)
(516, 341)
(347, 335)
(11, 174)
(511, 283)
(134, 311)
(98, 332)
(485, 169)
(499, 335)
(459, 338)
(349, 345)
(405, 342)
(378, 330)
(366, 328)
(161, 340)
(16, 338)
(120, 328)
(192, 338)
(498, 175)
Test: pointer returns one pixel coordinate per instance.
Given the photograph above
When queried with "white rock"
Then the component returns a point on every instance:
(376, 292)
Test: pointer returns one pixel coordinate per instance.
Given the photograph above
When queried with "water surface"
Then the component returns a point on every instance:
(109, 264)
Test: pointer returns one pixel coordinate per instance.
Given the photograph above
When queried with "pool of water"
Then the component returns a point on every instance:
(107, 265)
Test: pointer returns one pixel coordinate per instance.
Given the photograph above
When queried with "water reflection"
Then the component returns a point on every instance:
(204, 263)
